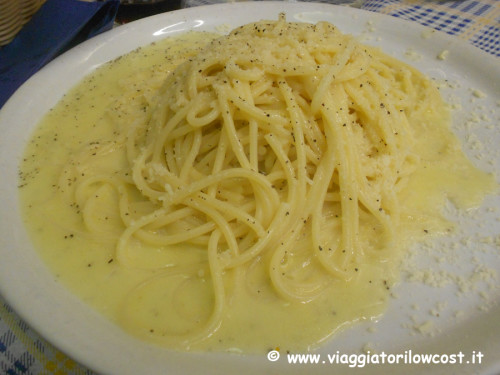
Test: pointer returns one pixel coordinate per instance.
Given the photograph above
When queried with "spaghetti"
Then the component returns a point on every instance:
(279, 131)
(283, 147)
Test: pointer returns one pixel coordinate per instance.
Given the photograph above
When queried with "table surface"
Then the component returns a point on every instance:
(23, 351)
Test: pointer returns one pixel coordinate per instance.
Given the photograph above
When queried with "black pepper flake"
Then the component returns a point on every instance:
(386, 286)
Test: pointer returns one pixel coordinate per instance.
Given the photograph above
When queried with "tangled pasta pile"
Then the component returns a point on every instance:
(283, 144)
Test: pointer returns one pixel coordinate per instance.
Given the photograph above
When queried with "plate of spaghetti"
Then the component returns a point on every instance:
(287, 182)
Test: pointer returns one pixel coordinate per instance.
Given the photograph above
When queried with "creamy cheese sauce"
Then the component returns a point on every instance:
(150, 303)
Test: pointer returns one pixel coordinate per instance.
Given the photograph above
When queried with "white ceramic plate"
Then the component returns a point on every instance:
(423, 319)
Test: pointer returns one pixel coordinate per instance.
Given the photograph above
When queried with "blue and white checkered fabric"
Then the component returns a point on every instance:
(24, 352)
(475, 21)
